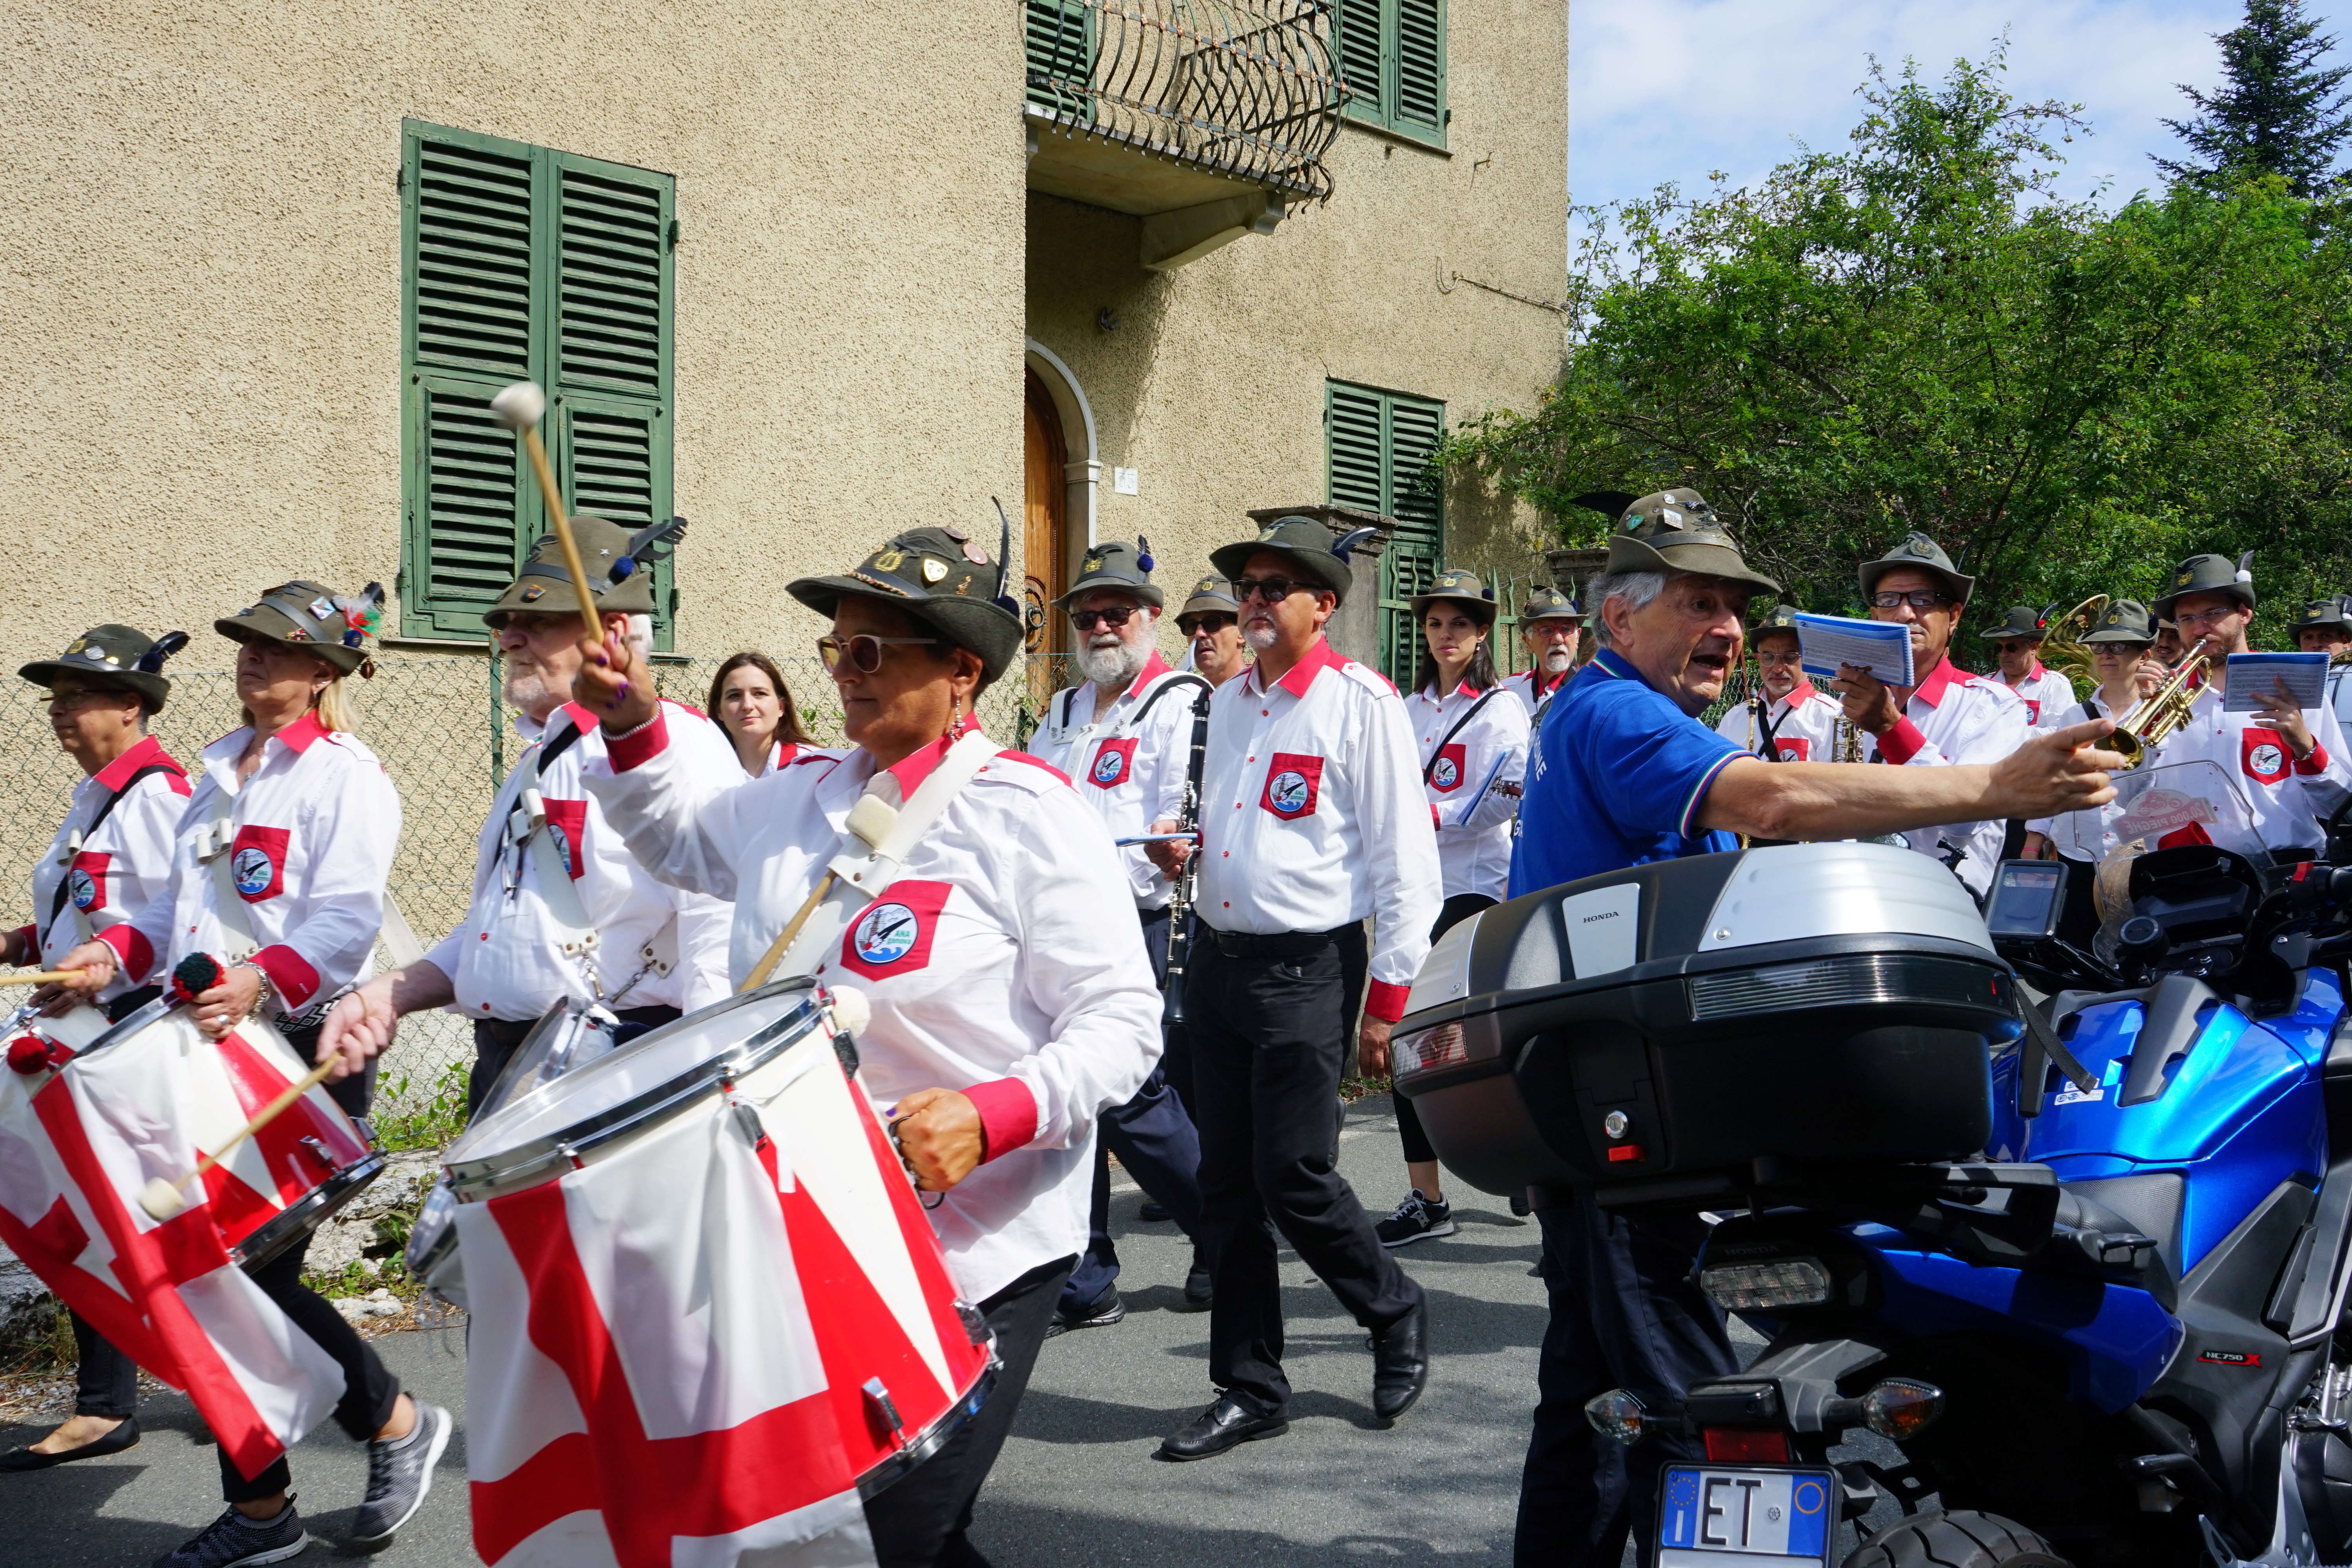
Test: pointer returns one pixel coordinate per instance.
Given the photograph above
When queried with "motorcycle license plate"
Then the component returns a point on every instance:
(1745, 1516)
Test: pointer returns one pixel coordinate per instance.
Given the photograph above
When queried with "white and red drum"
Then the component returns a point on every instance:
(275, 1187)
(830, 1315)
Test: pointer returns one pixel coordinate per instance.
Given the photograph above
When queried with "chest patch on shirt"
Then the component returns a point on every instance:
(2263, 755)
(2032, 708)
(1294, 782)
(257, 861)
(1796, 749)
(1113, 763)
(86, 880)
(567, 828)
(1445, 771)
(893, 934)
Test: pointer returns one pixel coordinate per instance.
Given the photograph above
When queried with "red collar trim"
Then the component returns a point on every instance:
(1800, 694)
(1300, 676)
(1153, 668)
(581, 720)
(149, 749)
(1931, 690)
(300, 734)
(1536, 679)
(912, 770)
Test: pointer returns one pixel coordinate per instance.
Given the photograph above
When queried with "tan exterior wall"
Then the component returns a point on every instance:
(200, 308)
(1212, 386)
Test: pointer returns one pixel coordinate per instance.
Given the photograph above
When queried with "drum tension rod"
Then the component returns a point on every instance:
(878, 1397)
(572, 1156)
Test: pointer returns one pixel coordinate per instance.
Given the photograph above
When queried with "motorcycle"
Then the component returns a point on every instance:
(2056, 1200)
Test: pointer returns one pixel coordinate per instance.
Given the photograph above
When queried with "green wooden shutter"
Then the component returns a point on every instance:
(1420, 101)
(523, 262)
(614, 349)
(1058, 36)
(1353, 422)
(1377, 449)
(1356, 27)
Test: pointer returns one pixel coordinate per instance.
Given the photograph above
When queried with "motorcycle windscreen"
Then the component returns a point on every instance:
(2163, 805)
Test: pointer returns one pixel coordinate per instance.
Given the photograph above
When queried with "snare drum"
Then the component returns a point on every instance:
(655, 1162)
(273, 1188)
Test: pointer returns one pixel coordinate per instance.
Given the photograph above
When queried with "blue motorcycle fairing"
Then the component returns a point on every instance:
(2115, 1340)
(2241, 1113)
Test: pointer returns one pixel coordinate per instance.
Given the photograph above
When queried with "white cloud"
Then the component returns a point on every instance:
(1672, 89)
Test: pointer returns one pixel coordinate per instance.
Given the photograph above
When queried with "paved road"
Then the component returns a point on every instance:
(1078, 1485)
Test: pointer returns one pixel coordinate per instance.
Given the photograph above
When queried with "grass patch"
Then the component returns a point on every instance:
(47, 1349)
(435, 1123)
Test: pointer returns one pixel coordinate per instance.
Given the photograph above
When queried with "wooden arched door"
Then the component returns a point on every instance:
(1044, 549)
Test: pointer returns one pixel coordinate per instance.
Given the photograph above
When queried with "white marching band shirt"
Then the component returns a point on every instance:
(2290, 799)
(1313, 817)
(507, 958)
(2092, 707)
(313, 833)
(2047, 695)
(1472, 776)
(1805, 725)
(1130, 772)
(1533, 687)
(1955, 719)
(1005, 960)
(106, 874)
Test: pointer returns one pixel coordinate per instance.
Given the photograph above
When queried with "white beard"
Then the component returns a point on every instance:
(1558, 661)
(1260, 638)
(527, 688)
(1114, 665)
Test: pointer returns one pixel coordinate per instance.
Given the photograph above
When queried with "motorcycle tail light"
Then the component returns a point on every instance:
(1617, 1416)
(1901, 1407)
(1754, 1444)
(1444, 1046)
(1760, 1287)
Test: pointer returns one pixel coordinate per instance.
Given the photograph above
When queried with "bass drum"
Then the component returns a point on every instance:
(766, 1076)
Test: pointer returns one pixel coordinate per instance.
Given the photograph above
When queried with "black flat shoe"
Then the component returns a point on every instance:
(1200, 1291)
(1401, 1365)
(123, 1436)
(1151, 1212)
(1223, 1426)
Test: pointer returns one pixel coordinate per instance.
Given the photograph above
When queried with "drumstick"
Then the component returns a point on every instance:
(43, 977)
(775, 953)
(162, 1199)
(519, 408)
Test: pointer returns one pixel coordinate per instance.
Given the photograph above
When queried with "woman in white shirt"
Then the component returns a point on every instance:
(753, 708)
(1012, 996)
(279, 872)
(1473, 734)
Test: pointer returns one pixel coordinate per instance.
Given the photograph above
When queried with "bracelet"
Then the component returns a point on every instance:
(268, 990)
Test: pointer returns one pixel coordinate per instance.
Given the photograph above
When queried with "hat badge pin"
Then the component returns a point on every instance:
(532, 593)
(934, 568)
(1092, 563)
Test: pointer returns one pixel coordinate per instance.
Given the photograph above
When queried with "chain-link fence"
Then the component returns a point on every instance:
(447, 737)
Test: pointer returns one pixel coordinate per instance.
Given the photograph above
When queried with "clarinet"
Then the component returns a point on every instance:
(1180, 896)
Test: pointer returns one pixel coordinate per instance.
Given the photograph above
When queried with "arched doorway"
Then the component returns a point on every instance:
(1045, 547)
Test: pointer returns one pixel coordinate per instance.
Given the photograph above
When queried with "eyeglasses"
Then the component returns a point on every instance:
(1918, 599)
(1117, 616)
(1272, 590)
(1775, 657)
(1205, 624)
(865, 649)
(2204, 618)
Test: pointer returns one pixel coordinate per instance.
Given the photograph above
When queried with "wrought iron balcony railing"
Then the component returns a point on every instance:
(1249, 90)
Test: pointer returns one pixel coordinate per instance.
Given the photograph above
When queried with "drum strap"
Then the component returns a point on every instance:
(59, 902)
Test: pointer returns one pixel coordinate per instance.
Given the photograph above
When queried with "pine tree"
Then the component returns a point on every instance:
(2279, 112)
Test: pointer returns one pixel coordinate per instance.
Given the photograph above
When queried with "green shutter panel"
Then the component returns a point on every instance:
(1356, 26)
(1416, 551)
(468, 495)
(1058, 36)
(470, 269)
(1352, 417)
(1419, 104)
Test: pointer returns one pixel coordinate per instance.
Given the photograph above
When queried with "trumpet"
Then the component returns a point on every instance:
(2157, 714)
(1845, 740)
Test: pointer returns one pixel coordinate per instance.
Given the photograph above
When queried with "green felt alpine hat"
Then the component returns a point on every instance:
(1551, 605)
(1210, 596)
(1117, 565)
(313, 618)
(1308, 545)
(2335, 610)
(2207, 574)
(1676, 531)
(116, 655)
(2124, 620)
(1916, 550)
(2023, 621)
(941, 577)
(544, 584)
(1460, 587)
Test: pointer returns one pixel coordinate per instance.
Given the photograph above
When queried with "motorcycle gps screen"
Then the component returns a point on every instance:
(2027, 895)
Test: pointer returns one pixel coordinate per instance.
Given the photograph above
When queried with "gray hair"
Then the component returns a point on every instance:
(1636, 589)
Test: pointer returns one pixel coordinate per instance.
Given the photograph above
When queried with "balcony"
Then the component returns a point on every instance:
(1205, 118)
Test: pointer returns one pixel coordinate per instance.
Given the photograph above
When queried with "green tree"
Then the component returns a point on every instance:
(2281, 112)
(1919, 332)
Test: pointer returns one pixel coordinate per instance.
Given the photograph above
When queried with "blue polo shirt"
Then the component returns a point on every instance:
(1616, 780)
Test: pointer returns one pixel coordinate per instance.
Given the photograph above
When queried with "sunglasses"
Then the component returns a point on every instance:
(1206, 623)
(1918, 599)
(1272, 590)
(1117, 616)
(864, 651)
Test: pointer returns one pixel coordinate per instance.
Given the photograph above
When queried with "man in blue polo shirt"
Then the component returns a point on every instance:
(1624, 772)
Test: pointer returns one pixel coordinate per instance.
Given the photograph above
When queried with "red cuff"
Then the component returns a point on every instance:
(1008, 1115)
(1386, 1002)
(1432, 816)
(130, 947)
(2314, 764)
(289, 972)
(1901, 743)
(640, 745)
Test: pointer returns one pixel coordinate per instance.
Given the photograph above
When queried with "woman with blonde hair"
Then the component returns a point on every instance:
(279, 872)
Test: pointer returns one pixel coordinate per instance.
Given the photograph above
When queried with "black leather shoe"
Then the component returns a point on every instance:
(126, 1435)
(1151, 1212)
(1200, 1291)
(1223, 1426)
(1401, 1364)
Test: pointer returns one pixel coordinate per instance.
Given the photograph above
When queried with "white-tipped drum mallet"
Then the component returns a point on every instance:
(519, 408)
(162, 1199)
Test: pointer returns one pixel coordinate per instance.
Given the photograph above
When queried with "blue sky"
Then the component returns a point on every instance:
(1670, 90)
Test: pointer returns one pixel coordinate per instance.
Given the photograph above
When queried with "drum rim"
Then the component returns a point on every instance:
(898, 1465)
(306, 1214)
(136, 1024)
(525, 1165)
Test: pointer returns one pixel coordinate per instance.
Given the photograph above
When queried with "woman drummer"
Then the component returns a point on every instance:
(292, 901)
(1012, 996)
(111, 854)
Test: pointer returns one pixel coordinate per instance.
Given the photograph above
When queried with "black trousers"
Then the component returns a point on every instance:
(1266, 1062)
(107, 1381)
(920, 1521)
(1417, 1149)
(495, 1041)
(1625, 1314)
(1153, 1136)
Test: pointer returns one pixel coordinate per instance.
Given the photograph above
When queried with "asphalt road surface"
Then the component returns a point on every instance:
(1077, 1485)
